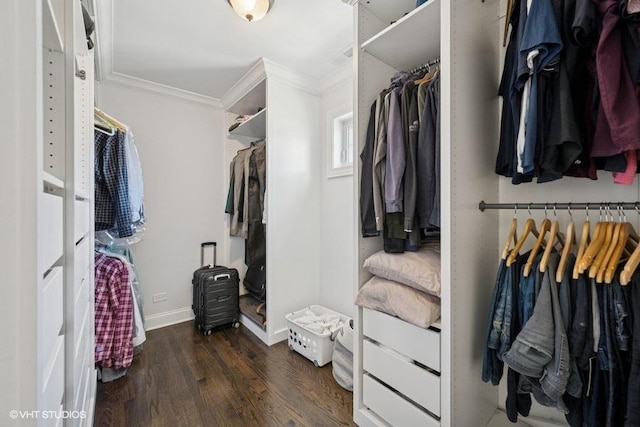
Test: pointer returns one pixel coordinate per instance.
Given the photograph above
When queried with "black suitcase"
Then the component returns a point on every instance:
(215, 294)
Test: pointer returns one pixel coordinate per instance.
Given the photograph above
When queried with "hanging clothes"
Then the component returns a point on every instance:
(246, 201)
(399, 173)
(113, 313)
(119, 186)
(569, 344)
(112, 207)
(571, 91)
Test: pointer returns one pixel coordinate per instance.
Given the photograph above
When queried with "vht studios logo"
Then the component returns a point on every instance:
(25, 415)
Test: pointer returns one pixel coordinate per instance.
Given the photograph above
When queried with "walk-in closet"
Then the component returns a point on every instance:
(329, 212)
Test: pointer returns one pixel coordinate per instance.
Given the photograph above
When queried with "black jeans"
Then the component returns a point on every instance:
(633, 391)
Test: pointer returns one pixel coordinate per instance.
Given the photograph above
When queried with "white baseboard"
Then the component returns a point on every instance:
(168, 318)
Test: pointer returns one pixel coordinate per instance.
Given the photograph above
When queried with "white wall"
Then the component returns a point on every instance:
(20, 119)
(181, 148)
(337, 256)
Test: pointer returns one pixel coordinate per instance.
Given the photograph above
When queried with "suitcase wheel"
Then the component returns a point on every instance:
(208, 332)
(290, 347)
(236, 325)
(315, 362)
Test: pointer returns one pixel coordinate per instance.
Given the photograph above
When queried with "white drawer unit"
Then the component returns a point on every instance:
(52, 387)
(50, 307)
(418, 384)
(421, 345)
(51, 227)
(391, 407)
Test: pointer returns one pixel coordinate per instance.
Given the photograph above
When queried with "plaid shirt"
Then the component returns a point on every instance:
(114, 313)
(112, 206)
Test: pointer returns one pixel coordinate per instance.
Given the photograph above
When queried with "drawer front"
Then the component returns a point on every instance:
(81, 339)
(392, 407)
(418, 384)
(83, 298)
(83, 219)
(53, 378)
(50, 314)
(82, 266)
(51, 229)
(81, 384)
(422, 345)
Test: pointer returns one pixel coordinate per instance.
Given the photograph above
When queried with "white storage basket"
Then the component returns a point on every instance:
(314, 346)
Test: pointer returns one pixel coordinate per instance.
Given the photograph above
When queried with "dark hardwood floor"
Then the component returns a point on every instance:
(230, 378)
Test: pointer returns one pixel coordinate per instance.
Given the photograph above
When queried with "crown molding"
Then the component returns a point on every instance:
(345, 74)
(251, 79)
(157, 88)
(265, 68)
(291, 78)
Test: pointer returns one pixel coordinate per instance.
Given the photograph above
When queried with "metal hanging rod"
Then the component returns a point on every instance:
(426, 65)
(590, 205)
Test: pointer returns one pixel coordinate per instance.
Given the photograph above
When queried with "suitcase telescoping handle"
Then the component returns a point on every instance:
(204, 245)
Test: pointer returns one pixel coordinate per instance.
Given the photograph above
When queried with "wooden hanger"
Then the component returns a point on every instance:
(584, 241)
(594, 245)
(631, 264)
(103, 126)
(97, 112)
(528, 228)
(570, 241)
(554, 236)
(540, 243)
(627, 234)
(609, 253)
(546, 255)
(602, 249)
(427, 77)
(511, 235)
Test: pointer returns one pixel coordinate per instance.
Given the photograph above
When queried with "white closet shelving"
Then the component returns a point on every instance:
(289, 124)
(66, 378)
(255, 127)
(443, 362)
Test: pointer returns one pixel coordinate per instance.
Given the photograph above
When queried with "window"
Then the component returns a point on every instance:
(341, 160)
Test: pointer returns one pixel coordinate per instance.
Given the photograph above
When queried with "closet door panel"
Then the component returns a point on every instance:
(51, 314)
(393, 408)
(419, 344)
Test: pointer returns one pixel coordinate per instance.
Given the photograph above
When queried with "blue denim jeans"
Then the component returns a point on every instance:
(492, 366)
(541, 350)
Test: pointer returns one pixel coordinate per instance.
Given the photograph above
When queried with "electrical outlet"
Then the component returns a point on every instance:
(160, 297)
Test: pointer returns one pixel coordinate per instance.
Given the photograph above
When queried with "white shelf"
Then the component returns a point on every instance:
(255, 127)
(252, 100)
(389, 11)
(52, 38)
(52, 180)
(421, 26)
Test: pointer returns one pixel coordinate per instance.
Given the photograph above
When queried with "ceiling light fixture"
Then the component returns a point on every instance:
(251, 10)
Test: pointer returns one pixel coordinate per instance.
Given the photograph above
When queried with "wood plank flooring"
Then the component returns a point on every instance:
(229, 378)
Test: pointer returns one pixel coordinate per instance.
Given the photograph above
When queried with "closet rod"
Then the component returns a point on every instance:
(425, 65)
(590, 205)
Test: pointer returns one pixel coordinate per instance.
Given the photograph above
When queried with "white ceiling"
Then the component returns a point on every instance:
(202, 46)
